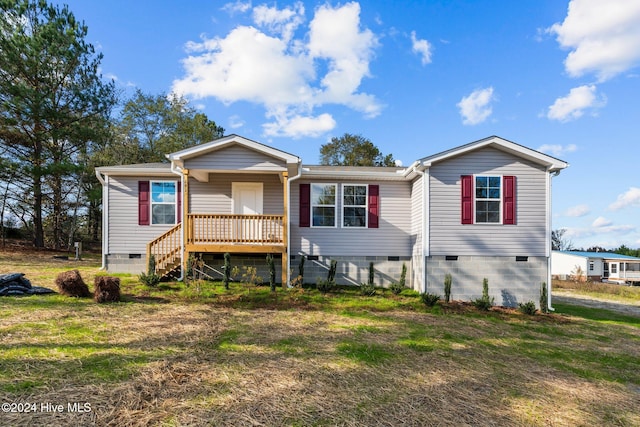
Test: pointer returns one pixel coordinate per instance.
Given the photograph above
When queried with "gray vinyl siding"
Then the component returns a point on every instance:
(215, 196)
(234, 158)
(449, 237)
(392, 238)
(125, 235)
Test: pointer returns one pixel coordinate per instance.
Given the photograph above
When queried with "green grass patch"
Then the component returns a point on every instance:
(597, 314)
(368, 353)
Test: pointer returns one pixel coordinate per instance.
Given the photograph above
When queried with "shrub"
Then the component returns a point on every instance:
(485, 302)
(325, 286)
(528, 307)
(367, 289)
(396, 288)
(106, 289)
(543, 298)
(272, 272)
(226, 268)
(372, 273)
(150, 279)
(333, 266)
(429, 299)
(447, 287)
(301, 269)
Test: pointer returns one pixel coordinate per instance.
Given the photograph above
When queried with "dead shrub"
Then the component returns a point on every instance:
(70, 283)
(106, 289)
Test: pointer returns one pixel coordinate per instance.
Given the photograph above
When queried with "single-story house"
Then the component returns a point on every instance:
(480, 210)
(596, 266)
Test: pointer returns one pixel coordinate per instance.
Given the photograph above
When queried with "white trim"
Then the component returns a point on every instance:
(335, 206)
(151, 202)
(473, 195)
(366, 206)
(231, 140)
(105, 221)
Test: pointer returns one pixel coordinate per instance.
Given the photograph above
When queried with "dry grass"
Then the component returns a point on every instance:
(179, 363)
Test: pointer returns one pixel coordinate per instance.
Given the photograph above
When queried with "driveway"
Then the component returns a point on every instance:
(570, 298)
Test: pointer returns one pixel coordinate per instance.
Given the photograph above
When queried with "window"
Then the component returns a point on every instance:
(354, 205)
(591, 266)
(323, 205)
(487, 199)
(163, 202)
(614, 268)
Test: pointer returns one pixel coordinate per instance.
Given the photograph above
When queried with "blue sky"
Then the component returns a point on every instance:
(414, 77)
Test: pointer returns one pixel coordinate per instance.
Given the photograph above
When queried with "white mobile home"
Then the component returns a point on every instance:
(596, 266)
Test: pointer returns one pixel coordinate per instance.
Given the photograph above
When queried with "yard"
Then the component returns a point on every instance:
(200, 355)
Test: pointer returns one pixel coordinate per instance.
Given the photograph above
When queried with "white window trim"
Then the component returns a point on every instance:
(481, 175)
(335, 205)
(366, 206)
(151, 202)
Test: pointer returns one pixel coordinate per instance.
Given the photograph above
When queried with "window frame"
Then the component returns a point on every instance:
(313, 205)
(344, 205)
(500, 200)
(152, 202)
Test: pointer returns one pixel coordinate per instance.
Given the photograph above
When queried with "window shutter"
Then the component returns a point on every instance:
(467, 199)
(144, 208)
(374, 206)
(305, 205)
(179, 201)
(509, 200)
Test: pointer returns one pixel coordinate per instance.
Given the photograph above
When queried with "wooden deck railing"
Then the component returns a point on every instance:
(232, 228)
(166, 249)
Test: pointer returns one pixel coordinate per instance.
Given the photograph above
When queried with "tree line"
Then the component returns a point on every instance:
(560, 242)
(60, 119)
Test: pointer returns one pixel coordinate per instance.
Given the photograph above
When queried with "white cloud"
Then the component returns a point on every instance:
(237, 6)
(603, 36)
(280, 21)
(630, 198)
(421, 47)
(235, 122)
(601, 222)
(557, 149)
(577, 211)
(580, 233)
(476, 107)
(290, 77)
(574, 105)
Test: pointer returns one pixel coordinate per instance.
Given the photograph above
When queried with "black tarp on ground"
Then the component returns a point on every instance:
(17, 284)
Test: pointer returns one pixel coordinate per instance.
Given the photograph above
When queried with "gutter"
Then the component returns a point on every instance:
(105, 224)
(288, 224)
(178, 171)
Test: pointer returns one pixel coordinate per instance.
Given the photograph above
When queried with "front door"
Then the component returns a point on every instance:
(247, 200)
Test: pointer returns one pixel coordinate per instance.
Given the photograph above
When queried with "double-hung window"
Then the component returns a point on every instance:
(323, 205)
(354, 205)
(163, 202)
(488, 199)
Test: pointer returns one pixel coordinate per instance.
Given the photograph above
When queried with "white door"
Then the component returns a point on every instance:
(247, 200)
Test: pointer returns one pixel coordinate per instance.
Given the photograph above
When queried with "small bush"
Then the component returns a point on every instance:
(486, 302)
(226, 268)
(429, 299)
(150, 279)
(447, 287)
(528, 307)
(333, 266)
(543, 298)
(367, 289)
(301, 269)
(70, 283)
(106, 289)
(372, 273)
(396, 288)
(272, 272)
(325, 286)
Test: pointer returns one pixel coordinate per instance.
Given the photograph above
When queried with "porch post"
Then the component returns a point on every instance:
(186, 224)
(285, 232)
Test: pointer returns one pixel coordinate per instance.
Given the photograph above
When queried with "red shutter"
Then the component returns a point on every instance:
(144, 208)
(179, 201)
(509, 200)
(467, 199)
(374, 206)
(305, 205)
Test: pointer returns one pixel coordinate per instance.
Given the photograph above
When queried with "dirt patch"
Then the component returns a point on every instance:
(569, 297)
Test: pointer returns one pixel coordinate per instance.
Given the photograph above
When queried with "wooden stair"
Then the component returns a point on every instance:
(166, 249)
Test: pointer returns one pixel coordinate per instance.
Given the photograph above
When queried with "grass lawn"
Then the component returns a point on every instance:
(200, 355)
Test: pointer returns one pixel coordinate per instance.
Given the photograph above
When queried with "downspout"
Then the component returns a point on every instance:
(549, 249)
(424, 227)
(288, 224)
(105, 224)
(178, 171)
